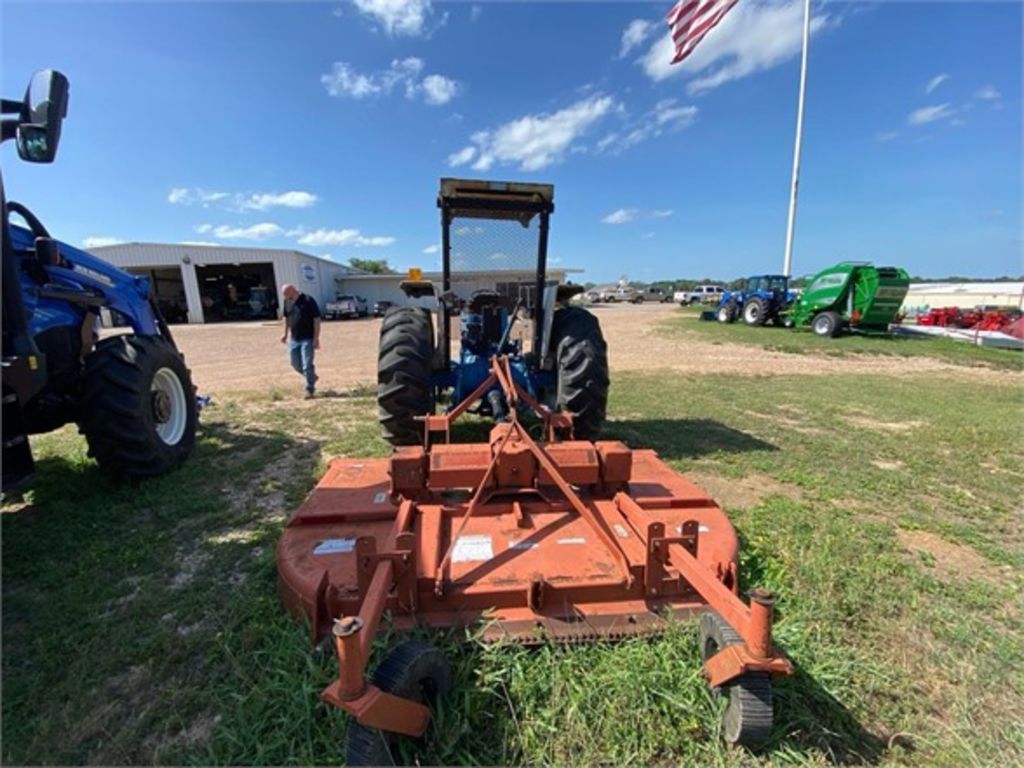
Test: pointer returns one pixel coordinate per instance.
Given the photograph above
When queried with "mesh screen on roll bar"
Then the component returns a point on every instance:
(487, 246)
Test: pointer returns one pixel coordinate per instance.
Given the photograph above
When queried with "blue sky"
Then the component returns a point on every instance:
(326, 127)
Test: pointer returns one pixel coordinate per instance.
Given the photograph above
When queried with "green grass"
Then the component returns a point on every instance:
(801, 341)
(141, 623)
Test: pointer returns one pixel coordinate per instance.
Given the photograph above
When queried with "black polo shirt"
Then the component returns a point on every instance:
(301, 313)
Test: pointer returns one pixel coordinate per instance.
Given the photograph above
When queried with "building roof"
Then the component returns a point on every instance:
(968, 288)
(437, 276)
(173, 250)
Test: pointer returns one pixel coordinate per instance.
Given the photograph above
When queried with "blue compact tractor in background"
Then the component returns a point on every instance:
(556, 352)
(130, 395)
(765, 298)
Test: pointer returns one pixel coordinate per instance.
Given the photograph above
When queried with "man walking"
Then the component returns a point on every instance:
(302, 320)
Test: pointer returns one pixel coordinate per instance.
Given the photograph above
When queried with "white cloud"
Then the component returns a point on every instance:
(397, 17)
(438, 89)
(255, 232)
(534, 142)
(935, 82)
(621, 216)
(99, 242)
(292, 199)
(475, 12)
(988, 93)
(884, 136)
(662, 213)
(666, 115)
(926, 115)
(343, 237)
(647, 235)
(462, 157)
(241, 201)
(343, 80)
(752, 37)
(202, 229)
(432, 249)
(633, 35)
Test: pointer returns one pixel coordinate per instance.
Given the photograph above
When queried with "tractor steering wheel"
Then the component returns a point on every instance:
(34, 224)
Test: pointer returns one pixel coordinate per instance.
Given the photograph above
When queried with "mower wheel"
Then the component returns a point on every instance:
(755, 312)
(727, 312)
(747, 719)
(581, 356)
(404, 363)
(413, 670)
(138, 406)
(827, 324)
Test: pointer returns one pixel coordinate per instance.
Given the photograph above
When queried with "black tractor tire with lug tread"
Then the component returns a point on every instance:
(138, 406)
(747, 719)
(581, 360)
(404, 363)
(827, 324)
(414, 670)
(727, 312)
(755, 312)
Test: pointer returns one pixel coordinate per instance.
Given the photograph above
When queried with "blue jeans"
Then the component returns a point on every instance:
(301, 353)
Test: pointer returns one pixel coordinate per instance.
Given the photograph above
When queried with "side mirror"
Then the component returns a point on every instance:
(46, 105)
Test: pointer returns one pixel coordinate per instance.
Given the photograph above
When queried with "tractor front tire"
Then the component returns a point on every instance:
(138, 407)
(581, 357)
(727, 312)
(755, 312)
(413, 670)
(827, 324)
(404, 364)
(747, 719)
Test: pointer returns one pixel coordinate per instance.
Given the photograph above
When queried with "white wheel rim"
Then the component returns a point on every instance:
(167, 384)
(752, 312)
(821, 325)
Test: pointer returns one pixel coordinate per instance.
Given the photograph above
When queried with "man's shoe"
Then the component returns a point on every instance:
(310, 395)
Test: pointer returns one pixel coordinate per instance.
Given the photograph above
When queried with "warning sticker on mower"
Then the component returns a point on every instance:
(380, 498)
(471, 549)
(572, 540)
(621, 531)
(334, 546)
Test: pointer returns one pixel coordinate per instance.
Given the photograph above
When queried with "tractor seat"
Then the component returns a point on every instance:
(482, 299)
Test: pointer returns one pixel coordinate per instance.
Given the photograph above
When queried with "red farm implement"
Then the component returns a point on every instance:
(534, 539)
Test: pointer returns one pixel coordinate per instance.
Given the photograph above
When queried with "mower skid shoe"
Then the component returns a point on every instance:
(376, 709)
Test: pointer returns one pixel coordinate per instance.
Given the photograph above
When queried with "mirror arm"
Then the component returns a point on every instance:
(8, 130)
(11, 107)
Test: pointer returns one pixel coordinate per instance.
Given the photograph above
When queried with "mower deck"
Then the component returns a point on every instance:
(526, 564)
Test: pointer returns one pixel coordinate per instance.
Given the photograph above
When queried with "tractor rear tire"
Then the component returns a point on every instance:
(755, 312)
(413, 670)
(581, 357)
(138, 406)
(827, 324)
(404, 363)
(747, 719)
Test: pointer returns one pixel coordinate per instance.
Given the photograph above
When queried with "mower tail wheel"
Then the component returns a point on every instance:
(747, 719)
(138, 408)
(404, 362)
(413, 670)
(727, 312)
(755, 312)
(827, 324)
(581, 356)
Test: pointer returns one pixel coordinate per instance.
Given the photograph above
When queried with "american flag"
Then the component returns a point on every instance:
(690, 20)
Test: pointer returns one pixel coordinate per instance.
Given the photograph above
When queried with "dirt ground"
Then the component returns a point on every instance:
(249, 356)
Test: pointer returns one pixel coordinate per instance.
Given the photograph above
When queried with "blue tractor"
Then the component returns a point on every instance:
(131, 394)
(764, 299)
(557, 352)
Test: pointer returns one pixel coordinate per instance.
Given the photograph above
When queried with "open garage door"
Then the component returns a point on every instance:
(169, 288)
(236, 292)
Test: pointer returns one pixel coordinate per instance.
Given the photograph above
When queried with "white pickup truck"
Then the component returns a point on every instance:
(346, 306)
(702, 294)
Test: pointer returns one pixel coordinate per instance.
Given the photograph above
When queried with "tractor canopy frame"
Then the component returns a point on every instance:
(496, 202)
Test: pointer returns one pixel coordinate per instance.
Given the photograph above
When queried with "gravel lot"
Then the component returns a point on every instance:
(249, 356)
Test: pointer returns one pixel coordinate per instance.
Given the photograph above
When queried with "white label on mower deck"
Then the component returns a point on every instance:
(572, 540)
(471, 549)
(334, 546)
(621, 530)
(380, 498)
(700, 528)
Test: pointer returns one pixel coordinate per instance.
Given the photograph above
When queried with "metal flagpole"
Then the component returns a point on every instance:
(788, 262)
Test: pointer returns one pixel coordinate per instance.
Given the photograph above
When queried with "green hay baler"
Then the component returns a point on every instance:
(851, 295)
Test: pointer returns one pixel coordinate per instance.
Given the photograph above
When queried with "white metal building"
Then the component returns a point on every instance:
(204, 283)
(964, 295)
